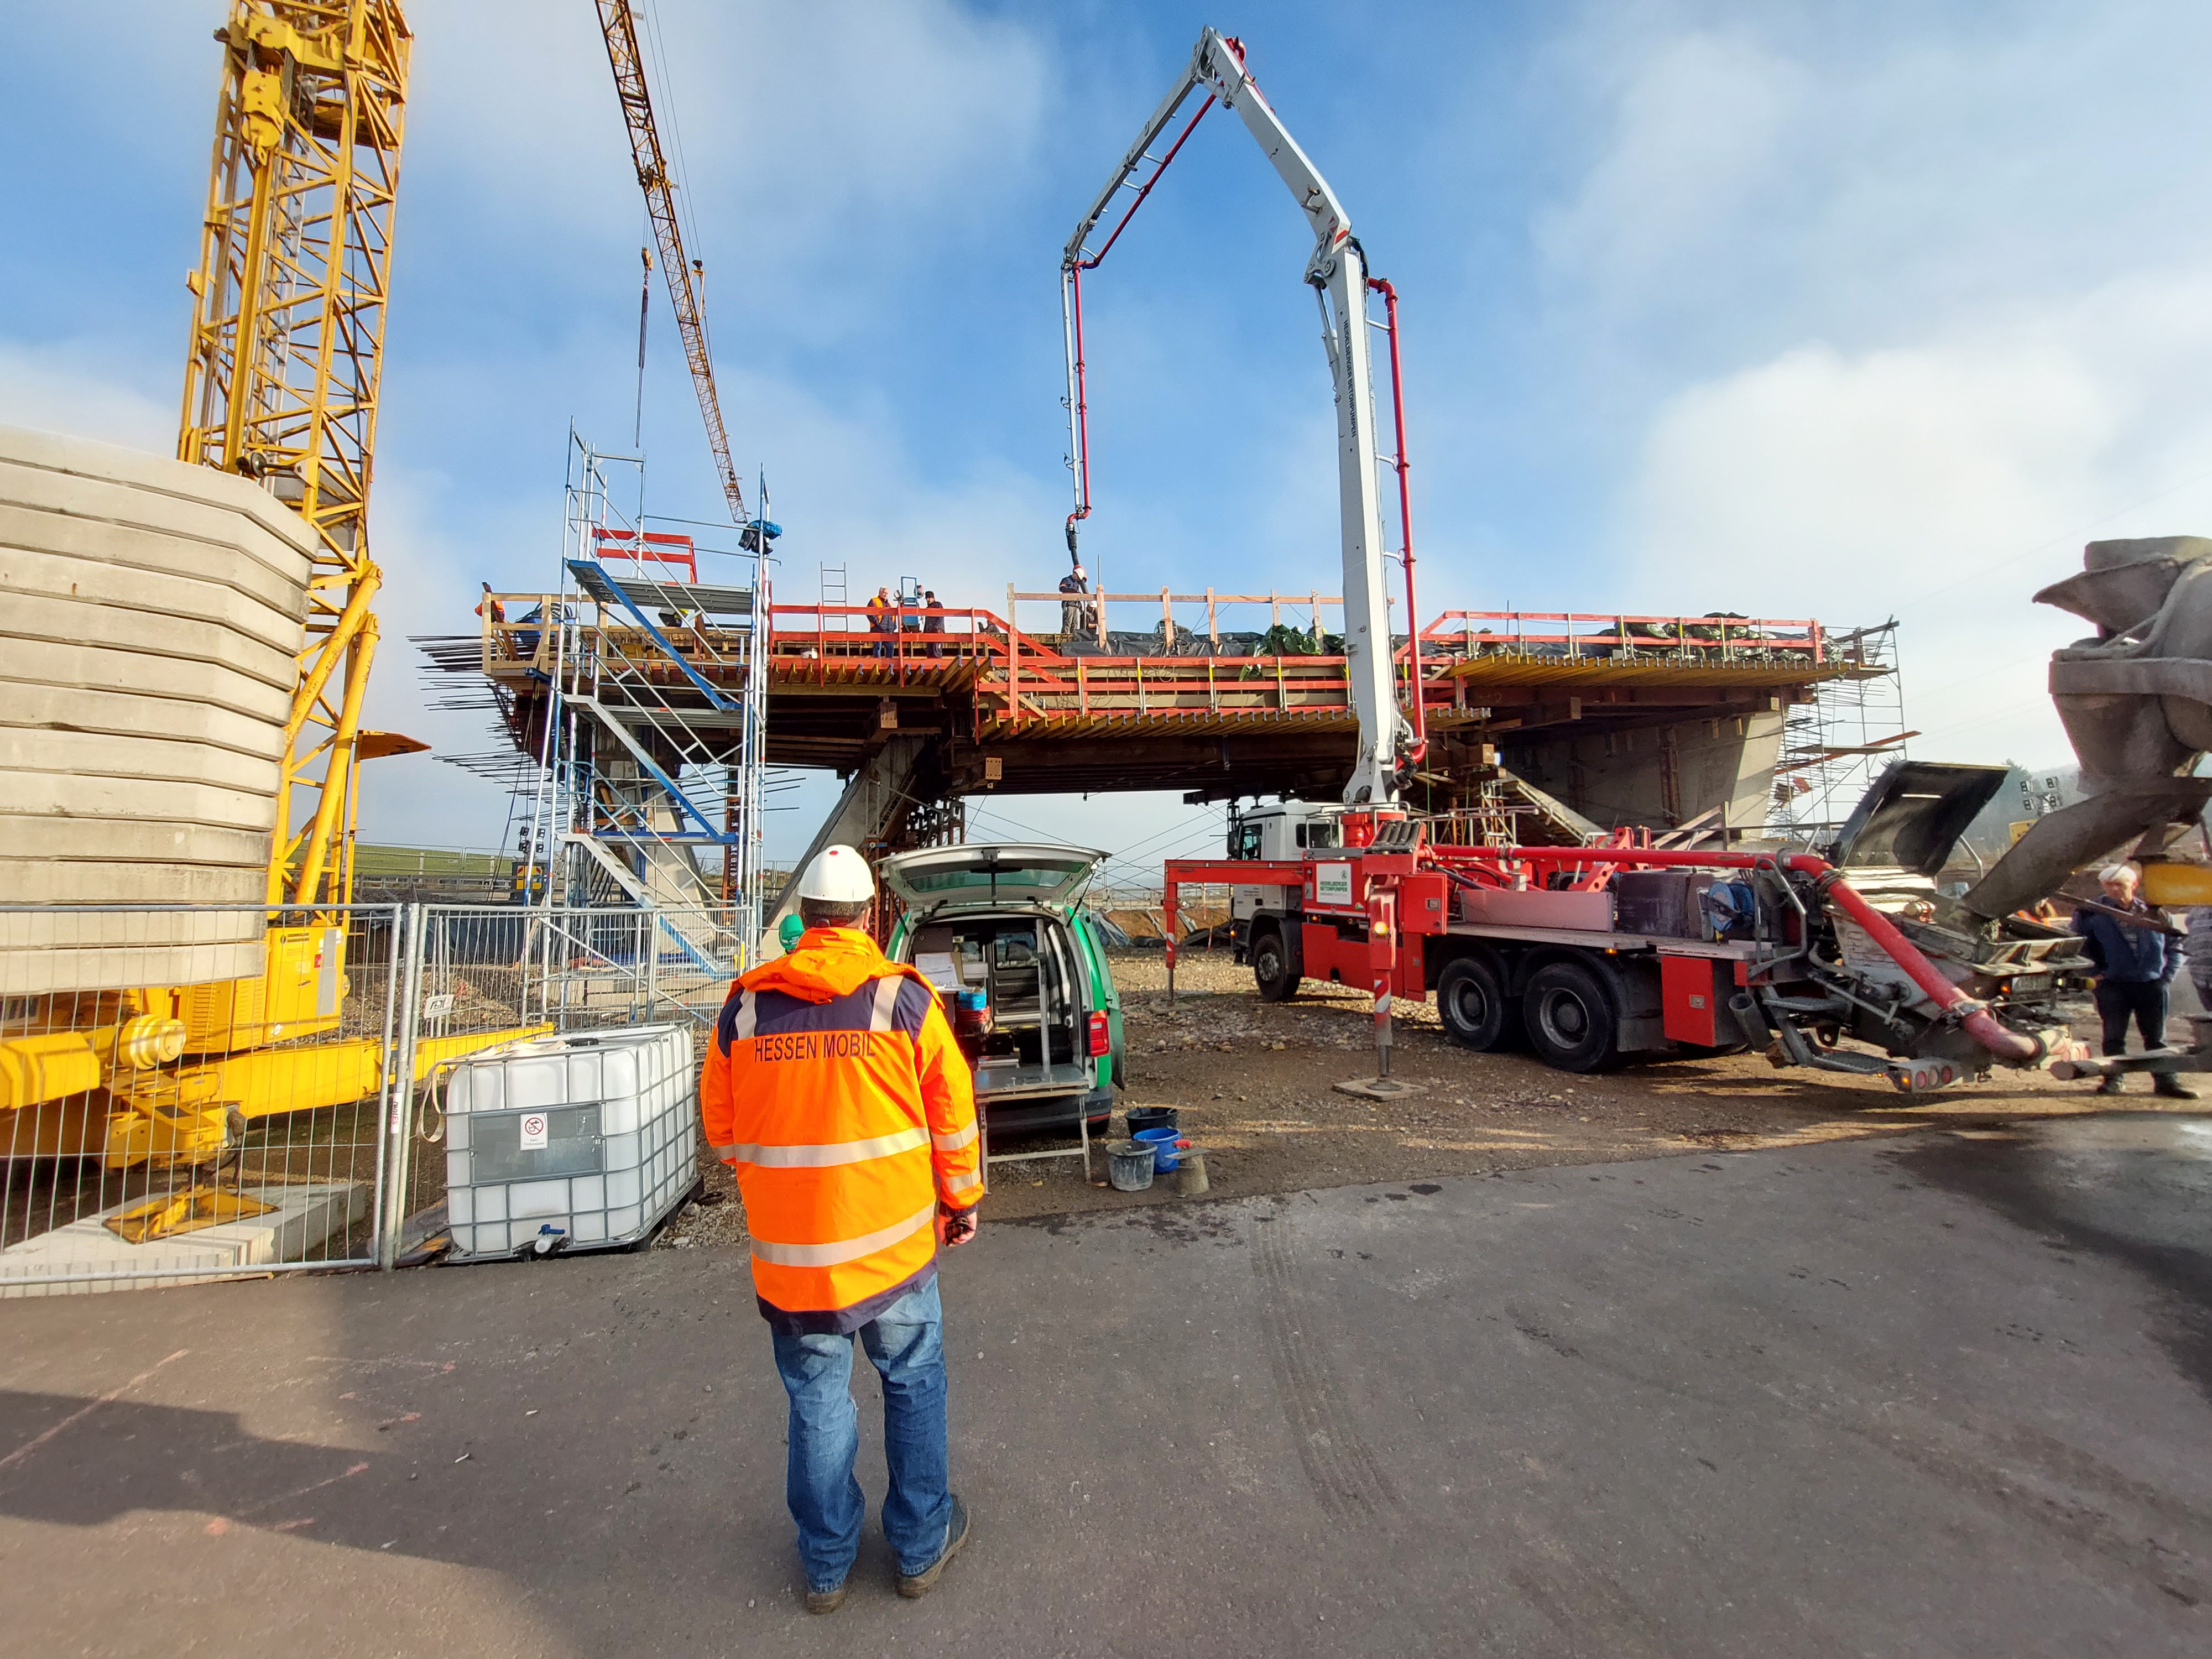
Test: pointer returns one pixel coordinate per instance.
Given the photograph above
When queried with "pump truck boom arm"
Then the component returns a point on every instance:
(1338, 273)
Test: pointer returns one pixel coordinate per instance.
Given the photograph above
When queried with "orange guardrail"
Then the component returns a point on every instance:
(1070, 676)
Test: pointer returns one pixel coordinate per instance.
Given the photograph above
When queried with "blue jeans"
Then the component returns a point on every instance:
(905, 1344)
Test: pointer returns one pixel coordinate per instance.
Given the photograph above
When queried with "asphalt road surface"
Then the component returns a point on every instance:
(1944, 1395)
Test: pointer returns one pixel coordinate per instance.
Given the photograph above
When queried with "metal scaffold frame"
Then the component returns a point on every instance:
(614, 805)
(1834, 746)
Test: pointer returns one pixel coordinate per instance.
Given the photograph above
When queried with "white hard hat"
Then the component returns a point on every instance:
(838, 875)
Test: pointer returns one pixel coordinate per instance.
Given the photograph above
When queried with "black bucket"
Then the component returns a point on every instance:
(1142, 1118)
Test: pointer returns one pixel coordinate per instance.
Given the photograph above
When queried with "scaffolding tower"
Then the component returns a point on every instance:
(1836, 745)
(653, 747)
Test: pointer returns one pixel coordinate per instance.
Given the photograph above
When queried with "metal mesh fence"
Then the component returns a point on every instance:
(492, 975)
(189, 1092)
(189, 1089)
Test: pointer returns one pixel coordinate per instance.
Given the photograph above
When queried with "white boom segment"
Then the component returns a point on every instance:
(1338, 273)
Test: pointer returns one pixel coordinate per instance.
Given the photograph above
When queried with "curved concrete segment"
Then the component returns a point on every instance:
(150, 623)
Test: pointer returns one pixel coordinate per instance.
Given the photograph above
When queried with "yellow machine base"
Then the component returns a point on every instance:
(184, 1212)
(299, 994)
(185, 1113)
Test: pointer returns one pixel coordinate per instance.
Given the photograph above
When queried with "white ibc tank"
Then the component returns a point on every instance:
(149, 632)
(587, 1140)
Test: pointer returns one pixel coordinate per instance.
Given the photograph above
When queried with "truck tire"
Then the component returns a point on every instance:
(1273, 971)
(1571, 1018)
(1473, 1003)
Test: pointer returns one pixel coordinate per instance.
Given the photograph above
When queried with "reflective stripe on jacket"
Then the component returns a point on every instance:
(835, 1088)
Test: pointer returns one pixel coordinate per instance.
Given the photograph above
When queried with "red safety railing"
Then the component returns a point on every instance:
(1031, 679)
(648, 547)
(900, 637)
(1022, 677)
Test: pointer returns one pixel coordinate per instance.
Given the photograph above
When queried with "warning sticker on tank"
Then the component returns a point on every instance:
(533, 1131)
(1332, 883)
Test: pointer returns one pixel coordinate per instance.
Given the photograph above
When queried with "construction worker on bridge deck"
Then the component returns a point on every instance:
(835, 1090)
(1076, 615)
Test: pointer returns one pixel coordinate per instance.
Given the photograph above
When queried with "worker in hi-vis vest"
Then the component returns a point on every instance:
(835, 1088)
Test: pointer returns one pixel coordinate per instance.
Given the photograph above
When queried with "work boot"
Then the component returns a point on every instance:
(2113, 1084)
(2166, 1083)
(827, 1601)
(914, 1584)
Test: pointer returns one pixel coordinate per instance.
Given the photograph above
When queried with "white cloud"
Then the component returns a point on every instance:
(1705, 129)
(786, 123)
(1888, 317)
(1942, 482)
(867, 504)
(1788, 173)
(79, 388)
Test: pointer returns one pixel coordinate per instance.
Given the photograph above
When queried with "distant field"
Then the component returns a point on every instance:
(370, 860)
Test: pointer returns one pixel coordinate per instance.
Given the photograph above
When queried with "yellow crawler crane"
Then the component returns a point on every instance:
(281, 386)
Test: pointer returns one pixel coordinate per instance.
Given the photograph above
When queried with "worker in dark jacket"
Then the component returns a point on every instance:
(2136, 961)
(1074, 609)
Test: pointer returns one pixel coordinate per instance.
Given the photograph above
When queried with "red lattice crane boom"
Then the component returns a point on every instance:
(618, 23)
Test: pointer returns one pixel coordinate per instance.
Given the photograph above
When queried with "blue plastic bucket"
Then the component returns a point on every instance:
(1142, 1118)
(1163, 1143)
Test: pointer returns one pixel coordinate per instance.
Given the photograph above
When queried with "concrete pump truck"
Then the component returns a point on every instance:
(1595, 953)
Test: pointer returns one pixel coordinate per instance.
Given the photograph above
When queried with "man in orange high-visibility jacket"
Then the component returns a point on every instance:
(835, 1088)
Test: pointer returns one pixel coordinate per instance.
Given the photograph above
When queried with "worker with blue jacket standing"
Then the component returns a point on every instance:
(2136, 958)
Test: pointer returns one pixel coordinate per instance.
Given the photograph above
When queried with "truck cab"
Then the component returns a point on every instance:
(1283, 832)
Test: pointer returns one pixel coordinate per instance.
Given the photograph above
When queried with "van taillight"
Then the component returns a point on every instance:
(1099, 1038)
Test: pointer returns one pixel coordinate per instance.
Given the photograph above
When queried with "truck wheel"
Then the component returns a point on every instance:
(1571, 1018)
(1477, 1013)
(1277, 980)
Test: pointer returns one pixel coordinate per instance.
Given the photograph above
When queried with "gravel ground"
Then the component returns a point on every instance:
(1252, 1081)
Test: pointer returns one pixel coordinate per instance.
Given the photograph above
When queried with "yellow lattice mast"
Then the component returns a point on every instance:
(287, 348)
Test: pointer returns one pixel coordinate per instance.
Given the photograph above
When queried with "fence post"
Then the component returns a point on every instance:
(379, 1228)
(398, 1097)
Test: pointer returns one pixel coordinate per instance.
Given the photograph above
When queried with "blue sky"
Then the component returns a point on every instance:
(1794, 309)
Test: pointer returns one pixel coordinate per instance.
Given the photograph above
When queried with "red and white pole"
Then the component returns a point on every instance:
(1381, 964)
(1167, 926)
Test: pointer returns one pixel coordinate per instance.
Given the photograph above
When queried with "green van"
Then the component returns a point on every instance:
(1003, 920)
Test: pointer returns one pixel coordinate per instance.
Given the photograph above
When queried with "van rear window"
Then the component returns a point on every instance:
(1008, 875)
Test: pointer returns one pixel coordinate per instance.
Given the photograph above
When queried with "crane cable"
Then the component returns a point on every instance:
(619, 26)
